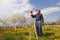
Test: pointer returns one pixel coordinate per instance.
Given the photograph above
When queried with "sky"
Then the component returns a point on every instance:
(49, 8)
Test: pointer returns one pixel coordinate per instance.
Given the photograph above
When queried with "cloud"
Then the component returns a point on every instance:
(49, 10)
(8, 7)
(58, 3)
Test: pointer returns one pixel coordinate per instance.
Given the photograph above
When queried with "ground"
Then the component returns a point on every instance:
(50, 32)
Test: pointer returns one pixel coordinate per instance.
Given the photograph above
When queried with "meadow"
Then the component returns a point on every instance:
(50, 32)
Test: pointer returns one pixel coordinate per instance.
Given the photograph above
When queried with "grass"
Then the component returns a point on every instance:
(28, 33)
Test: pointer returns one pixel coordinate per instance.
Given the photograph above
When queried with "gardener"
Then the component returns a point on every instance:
(39, 21)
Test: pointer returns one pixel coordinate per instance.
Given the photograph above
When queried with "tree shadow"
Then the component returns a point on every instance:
(49, 34)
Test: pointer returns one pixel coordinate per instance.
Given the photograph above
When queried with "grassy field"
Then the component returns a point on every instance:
(50, 32)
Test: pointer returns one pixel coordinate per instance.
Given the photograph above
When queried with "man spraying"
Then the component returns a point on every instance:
(39, 21)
